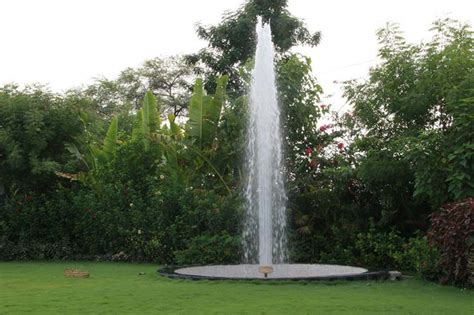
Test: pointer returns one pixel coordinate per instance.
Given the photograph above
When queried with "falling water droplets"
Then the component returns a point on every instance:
(264, 233)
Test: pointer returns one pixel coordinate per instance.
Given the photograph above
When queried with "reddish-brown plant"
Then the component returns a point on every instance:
(452, 232)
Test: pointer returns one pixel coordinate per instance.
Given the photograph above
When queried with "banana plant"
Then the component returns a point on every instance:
(204, 113)
(95, 156)
(203, 121)
(195, 145)
(148, 120)
(175, 130)
(109, 148)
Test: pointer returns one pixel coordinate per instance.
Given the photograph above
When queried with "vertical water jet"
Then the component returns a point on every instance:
(264, 234)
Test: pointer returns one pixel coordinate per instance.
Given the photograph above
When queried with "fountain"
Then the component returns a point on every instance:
(264, 236)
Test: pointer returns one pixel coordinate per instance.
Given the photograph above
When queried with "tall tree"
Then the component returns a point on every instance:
(232, 42)
(414, 116)
(169, 78)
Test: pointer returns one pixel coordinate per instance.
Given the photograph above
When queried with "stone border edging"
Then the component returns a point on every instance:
(169, 272)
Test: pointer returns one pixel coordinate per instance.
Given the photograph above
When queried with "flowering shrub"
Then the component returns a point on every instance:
(323, 128)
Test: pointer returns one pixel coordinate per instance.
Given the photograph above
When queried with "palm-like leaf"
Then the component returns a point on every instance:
(137, 132)
(151, 107)
(204, 112)
(175, 130)
(95, 156)
(110, 141)
(214, 112)
(194, 127)
(148, 119)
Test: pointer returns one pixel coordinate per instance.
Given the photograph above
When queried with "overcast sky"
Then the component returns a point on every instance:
(68, 43)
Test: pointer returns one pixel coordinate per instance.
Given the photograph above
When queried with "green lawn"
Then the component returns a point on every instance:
(118, 288)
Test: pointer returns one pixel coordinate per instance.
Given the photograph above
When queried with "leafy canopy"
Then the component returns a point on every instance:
(232, 42)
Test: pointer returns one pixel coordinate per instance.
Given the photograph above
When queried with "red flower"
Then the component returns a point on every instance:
(340, 145)
(323, 106)
(28, 197)
(308, 151)
(323, 128)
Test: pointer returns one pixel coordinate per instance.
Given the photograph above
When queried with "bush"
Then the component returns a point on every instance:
(452, 232)
(376, 249)
(147, 220)
(420, 257)
(35, 250)
(342, 247)
(38, 226)
(210, 249)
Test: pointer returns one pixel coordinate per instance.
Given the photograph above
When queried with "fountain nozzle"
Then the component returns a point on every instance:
(265, 270)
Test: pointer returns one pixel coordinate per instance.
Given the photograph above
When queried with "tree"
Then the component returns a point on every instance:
(35, 126)
(299, 95)
(232, 42)
(169, 78)
(414, 115)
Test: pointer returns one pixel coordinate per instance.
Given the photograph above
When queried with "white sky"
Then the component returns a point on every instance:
(68, 43)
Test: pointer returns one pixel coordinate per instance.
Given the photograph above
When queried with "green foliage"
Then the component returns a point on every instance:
(420, 257)
(175, 129)
(137, 201)
(201, 131)
(371, 247)
(416, 109)
(35, 125)
(299, 94)
(232, 42)
(210, 249)
(409, 151)
(110, 141)
(109, 148)
(147, 120)
(169, 77)
(231, 136)
(205, 112)
(38, 225)
(378, 249)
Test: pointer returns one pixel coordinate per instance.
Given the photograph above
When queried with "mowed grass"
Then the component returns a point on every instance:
(117, 288)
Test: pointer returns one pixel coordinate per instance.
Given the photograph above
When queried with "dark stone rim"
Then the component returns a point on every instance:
(169, 272)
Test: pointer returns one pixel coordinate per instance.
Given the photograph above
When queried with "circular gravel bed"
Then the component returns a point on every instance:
(282, 272)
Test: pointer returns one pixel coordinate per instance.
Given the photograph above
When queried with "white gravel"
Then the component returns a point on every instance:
(294, 271)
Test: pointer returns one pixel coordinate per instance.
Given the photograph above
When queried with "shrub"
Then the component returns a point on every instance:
(342, 247)
(38, 226)
(27, 250)
(420, 257)
(378, 249)
(206, 249)
(452, 232)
